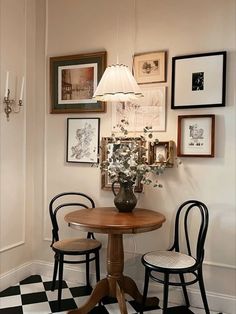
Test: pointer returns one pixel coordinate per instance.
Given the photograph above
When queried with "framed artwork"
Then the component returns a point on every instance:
(107, 146)
(196, 135)
(149, 110)
(73, 81)
(161, 152)
(83, 140)
(198, 80)
(150, 67)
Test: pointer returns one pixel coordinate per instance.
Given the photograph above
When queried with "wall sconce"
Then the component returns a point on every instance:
(10, 104)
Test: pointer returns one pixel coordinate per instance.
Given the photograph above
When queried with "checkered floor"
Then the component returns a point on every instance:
(33, 295)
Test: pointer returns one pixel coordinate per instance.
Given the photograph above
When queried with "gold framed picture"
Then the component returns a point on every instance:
(162, 152)
(150, 67)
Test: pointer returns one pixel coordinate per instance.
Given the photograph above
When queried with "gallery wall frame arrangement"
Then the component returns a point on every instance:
(196, 135)
(162, 151)
(73, 81)
(198, 80)
(83, 136)
(150, 67)
(107, 145)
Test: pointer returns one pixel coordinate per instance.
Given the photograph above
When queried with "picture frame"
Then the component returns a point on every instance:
(162, 152)
(198, 80)
(73, 81)
(150, 67)
(196, 135)
(83, 140)
(149, 110)
(106, 146)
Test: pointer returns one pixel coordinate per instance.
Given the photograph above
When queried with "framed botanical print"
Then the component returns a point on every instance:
(83, 140)
(196, 135)
(73, 81)
(198, 80)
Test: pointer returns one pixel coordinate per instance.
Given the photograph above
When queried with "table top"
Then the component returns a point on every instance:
(110, 220)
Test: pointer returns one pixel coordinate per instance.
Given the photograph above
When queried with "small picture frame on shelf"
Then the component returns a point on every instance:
(196, 136)
(198, 80)
(107, 146)
(150, 67)
(73, 81)
(162, 152)
(83, 140)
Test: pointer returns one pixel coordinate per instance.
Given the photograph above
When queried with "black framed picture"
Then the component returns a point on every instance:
(73, 81)
(83, 140)
(198, 80)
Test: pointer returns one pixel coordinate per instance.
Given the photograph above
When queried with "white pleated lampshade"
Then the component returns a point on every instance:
(117, 84)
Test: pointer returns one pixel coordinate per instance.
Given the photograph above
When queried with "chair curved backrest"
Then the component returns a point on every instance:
(185, 209)
(58, 202)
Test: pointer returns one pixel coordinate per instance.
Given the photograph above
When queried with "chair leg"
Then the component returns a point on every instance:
(166, 290)
(87, 270)
(97, 265)
(145, 289)
(184, 290)
(61, 261)
(203, 291)
(54, 272)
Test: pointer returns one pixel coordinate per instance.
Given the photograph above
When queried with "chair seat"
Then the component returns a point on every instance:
(79, 245)
(169, 259)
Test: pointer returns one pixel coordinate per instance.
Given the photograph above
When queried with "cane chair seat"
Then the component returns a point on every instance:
(169, 259)
(68, 246)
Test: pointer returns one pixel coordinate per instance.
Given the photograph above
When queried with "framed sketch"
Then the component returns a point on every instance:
(196, 135)
(149, 110)
(83, 140)
(107, 146)
(150, 67)
(161, 152)
(73, 81)
(198, 80)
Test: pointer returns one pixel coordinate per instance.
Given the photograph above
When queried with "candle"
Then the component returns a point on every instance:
(22, 88)
(7, 81)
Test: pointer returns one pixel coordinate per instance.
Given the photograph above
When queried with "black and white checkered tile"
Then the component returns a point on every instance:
(33, 295)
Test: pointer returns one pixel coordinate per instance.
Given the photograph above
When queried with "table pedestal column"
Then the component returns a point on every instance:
(115, 284)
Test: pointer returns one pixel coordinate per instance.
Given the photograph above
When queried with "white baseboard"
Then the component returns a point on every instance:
(217, 302)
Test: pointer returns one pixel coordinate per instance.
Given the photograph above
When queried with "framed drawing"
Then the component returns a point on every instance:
(162, 152)
(150, 67)
(198, 80)
(149, 110)
(73, 80)
(196, 135)
(83, 140)
(107, 147)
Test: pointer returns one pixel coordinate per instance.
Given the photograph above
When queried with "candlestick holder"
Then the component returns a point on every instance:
(11, 105)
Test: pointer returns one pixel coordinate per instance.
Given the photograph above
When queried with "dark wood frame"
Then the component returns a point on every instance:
(98, 140)
(100, 58)
(105, 184)
(212, 135)
(169, 152)
(200, 105)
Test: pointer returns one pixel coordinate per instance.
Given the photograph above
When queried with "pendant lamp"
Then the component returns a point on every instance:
(117, 84)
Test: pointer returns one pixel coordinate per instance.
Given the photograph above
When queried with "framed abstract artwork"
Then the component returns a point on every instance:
(196, 136)
(198, 80)
(83, 140)
(150, 67)
(73, 81)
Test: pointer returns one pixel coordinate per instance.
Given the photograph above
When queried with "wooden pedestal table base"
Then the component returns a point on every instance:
(116, 284)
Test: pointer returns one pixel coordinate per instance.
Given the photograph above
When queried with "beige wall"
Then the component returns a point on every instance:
(180, 27)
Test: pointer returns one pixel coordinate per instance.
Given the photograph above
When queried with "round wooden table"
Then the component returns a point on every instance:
(109, 221)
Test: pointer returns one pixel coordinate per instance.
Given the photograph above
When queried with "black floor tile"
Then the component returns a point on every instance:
(10, 291)
(48, 284)
(81, 291)
(12, 310)
(36, 297)
(66, 304)
(31, 279)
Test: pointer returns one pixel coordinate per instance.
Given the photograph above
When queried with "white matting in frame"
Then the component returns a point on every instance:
(149, 110)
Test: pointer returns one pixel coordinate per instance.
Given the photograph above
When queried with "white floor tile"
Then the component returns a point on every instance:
(10, 301)
(37, 308)
(114, 308)
(31, 288)
(52, 295)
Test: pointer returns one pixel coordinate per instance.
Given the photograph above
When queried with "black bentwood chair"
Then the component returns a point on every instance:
(89, 247)
(174, 262)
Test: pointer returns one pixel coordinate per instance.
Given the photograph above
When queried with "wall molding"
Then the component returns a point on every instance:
(12, 246)
(217, 302)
